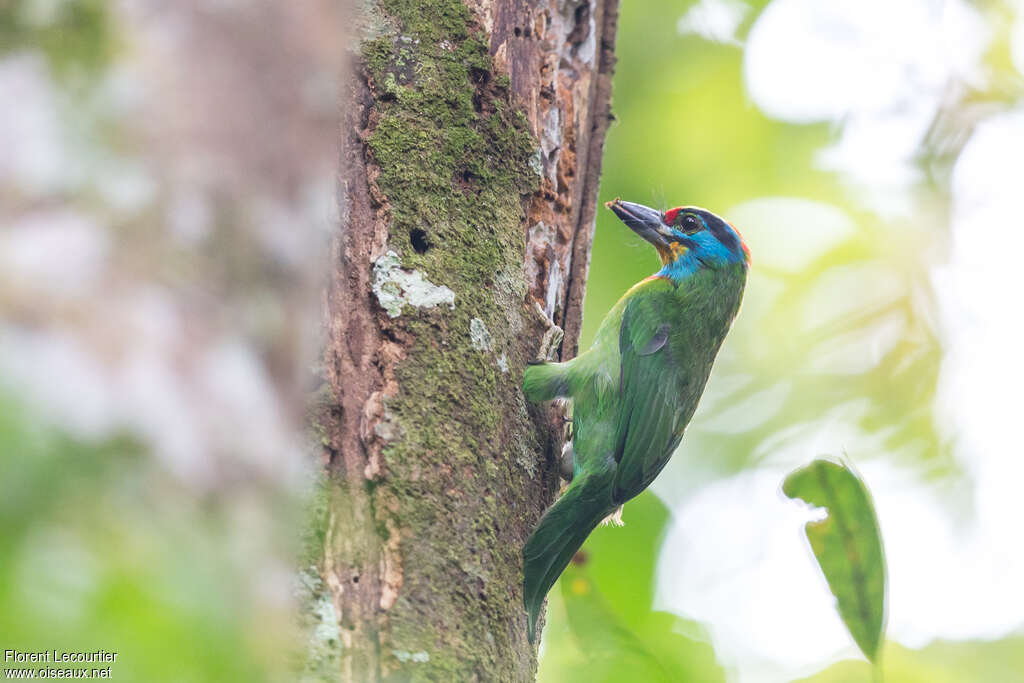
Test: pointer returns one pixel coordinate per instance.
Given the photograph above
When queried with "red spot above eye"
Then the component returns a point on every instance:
(671, 215)
(746, 250)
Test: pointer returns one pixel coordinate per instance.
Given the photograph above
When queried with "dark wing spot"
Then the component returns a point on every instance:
(656, 342)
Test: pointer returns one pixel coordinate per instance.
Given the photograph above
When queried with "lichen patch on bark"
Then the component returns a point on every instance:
(479, 337)
(396, 288)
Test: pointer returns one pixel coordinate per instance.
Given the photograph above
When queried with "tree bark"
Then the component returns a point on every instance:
(470, 155)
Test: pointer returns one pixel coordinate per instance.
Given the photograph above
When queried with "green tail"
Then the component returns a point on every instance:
(561, 532)
(545, 381)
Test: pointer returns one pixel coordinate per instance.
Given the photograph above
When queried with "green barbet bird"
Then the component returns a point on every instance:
(634, 391)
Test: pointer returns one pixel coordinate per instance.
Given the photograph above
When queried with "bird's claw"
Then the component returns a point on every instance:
(615, 519)
(567, 461)
(552, 338)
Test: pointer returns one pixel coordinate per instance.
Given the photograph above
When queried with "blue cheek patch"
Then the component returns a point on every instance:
(702, 250)
(713, 251)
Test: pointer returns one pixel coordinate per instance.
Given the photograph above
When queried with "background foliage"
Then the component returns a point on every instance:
(839, 149)
(153, 280)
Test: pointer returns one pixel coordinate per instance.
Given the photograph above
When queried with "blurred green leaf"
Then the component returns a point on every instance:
(653, 650)
(622, 560)
(848, 546)
(608, 630)
(942, 661)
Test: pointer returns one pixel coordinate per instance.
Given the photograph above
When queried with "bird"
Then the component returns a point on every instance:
(634, 391)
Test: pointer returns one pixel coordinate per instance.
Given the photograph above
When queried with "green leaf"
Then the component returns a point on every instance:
(653, 649)
(601, 622)
(848, 546)
(941, 661)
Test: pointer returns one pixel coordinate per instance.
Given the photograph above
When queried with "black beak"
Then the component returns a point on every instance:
(642, 220)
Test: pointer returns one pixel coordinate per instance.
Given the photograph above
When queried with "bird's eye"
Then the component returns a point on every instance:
(690, 224)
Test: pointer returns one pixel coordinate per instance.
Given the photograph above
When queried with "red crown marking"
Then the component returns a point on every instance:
(671, 215)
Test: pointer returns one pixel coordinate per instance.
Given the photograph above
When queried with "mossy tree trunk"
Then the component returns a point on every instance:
(471, 149)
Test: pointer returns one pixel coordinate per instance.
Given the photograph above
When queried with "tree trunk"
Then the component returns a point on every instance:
(471, 149)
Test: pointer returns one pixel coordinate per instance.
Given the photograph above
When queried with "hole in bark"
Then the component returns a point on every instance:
(355, 579)
(419, 241)
(466, 177)
(479, 76)
(517, 31)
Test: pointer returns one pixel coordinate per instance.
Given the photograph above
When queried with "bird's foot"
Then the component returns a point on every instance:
(563, 408)
(552, 338)
(615, 519)
(566, 461)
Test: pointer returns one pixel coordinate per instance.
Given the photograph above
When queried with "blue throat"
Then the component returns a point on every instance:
(680, 269)
(702, 250)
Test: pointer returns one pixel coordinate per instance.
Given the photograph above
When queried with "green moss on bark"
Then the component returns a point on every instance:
(454, 158)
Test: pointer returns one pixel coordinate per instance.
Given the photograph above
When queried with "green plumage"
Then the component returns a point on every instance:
(633, 393)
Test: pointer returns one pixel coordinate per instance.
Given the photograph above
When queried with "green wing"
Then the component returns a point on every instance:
(648, 430)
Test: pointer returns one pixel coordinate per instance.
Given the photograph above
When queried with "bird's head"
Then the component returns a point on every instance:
(687, 238)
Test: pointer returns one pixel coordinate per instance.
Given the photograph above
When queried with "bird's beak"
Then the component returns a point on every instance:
(645, 222)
